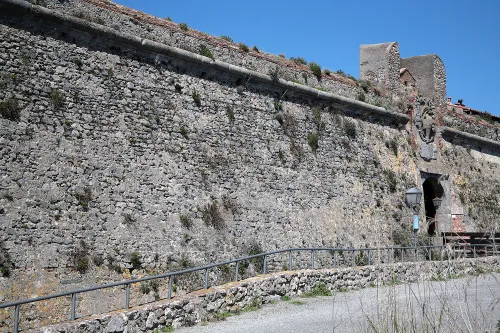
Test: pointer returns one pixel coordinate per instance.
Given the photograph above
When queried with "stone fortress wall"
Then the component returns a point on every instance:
(129, 149)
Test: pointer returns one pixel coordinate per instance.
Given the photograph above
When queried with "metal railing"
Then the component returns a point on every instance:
(357, 258)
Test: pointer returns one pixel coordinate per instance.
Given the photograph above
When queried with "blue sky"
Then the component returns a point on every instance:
(465, 34)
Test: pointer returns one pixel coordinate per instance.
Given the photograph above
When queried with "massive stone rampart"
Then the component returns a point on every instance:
(130, 156)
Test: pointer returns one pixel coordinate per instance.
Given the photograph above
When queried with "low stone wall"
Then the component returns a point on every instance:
(233, 297)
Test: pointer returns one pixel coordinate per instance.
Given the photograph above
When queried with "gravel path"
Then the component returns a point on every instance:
(469, 304)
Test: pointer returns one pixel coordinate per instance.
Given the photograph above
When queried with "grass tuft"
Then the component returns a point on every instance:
(319, 289)
(205, 51)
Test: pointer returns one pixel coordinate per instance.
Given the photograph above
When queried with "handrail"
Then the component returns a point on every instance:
(264, 256)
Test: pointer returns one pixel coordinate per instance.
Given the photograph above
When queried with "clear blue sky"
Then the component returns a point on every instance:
(464, 33)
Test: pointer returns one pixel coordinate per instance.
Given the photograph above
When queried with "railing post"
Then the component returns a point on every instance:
(353, 258)
(335, 259)
(430, 253)
(474, 249)
(16, 318)
(369, 257)
(127, 296)
(290, 262)
(312, 259)
(388, 256)
(206, 278)
(236, 271)
(265, 264)
(73, 306)
(170, 280)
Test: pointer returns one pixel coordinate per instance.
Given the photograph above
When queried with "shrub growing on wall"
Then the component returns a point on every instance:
(9, 109)
(312, 139)
(205, 51)
(315, 69)
(350, 129)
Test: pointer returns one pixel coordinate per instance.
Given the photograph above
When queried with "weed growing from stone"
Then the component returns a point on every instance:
(243, 47)
(210, 214)
(253, 306)
(84, 198)
(365, 85)
(361, 259)
(196, 98)
(349, 76)
(278, 106)
(316, 111)
(315, 69)
(165, 329)
(219, 316)
(128, 219)
(274, 74)
(391, 180)
(281, 156)
(9, 109)
(186, 221)
(350, 129)
(299, 60)
(56, 98)
(135, 260)
(5, 262)
(297, 302)
(205, 51)
(230, 204)
(183, 26)
(327, 71)
(361, 97)
(98, 260)
(112, 266)
(256, 49)
(80, 257)
(319, 289)
(150, 286)
(184, 132)
(230, 114)
(109, 72)
(286, 298)
(312, 140)
(226, 38)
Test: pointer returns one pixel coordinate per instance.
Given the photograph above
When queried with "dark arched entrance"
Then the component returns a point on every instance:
(432, 189)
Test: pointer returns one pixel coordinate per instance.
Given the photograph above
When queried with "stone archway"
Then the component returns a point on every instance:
(432, 189)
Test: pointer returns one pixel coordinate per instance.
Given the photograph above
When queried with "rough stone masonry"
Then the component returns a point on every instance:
(125, 152)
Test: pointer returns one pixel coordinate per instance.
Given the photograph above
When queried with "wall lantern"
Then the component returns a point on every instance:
(413, 196)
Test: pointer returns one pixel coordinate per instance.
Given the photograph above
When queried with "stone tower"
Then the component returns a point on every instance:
(380, 63)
